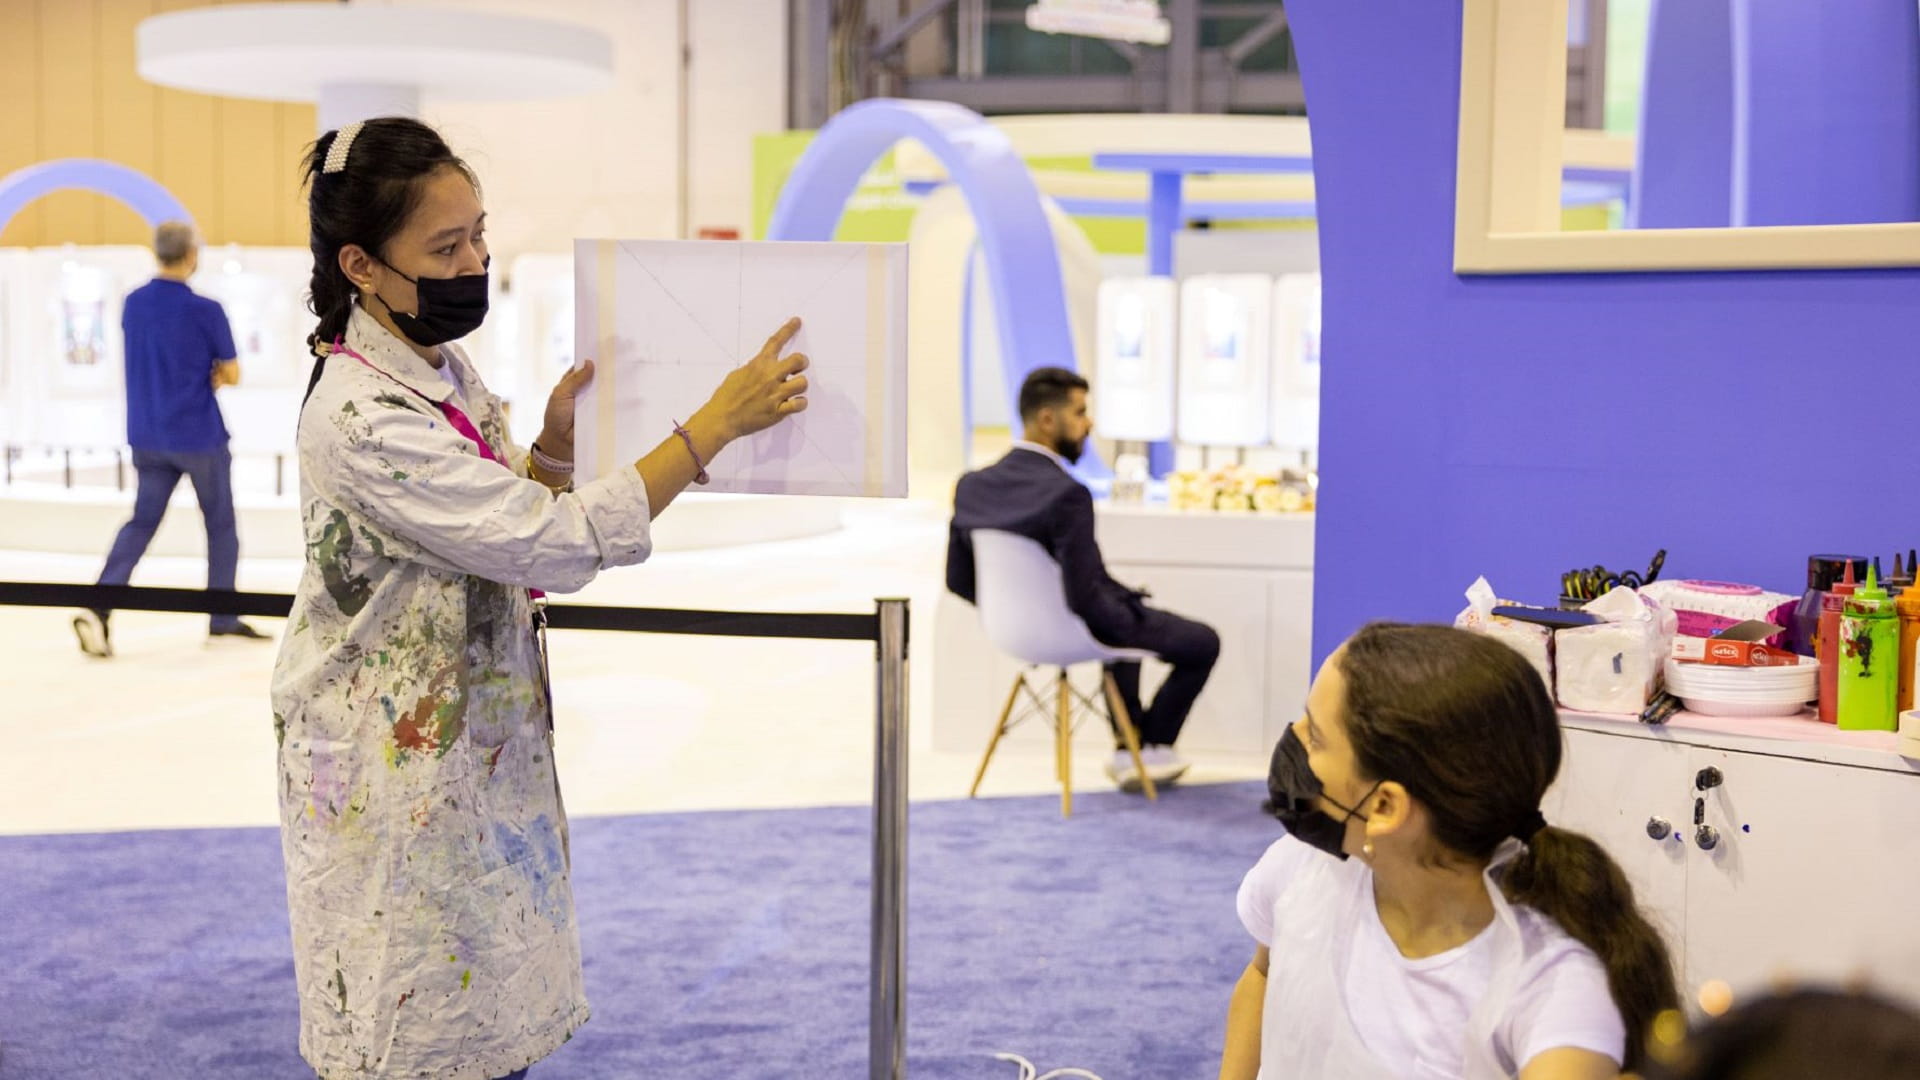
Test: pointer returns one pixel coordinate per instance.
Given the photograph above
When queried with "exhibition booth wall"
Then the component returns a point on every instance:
(1532, 423)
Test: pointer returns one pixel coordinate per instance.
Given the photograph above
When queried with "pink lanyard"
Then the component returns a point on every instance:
(462, 424)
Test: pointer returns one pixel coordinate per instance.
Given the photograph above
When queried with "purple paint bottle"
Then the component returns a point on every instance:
(1822, 572)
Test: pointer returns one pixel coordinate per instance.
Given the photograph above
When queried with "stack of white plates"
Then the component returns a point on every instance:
(1721, 690)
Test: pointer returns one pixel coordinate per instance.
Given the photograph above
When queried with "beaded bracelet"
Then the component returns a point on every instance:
(565, 487)
(687, 437)
(551, 466)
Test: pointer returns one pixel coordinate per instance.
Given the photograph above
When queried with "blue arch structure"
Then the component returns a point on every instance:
(1023, 267)
(131, 186)
(1684, 174)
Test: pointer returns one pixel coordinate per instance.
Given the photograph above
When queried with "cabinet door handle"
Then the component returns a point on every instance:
(1659, 828)
(1706, 838)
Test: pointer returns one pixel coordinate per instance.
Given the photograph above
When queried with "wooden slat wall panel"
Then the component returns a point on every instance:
(295, 126)
(129, 111)
(20, 115)
(71, 88)
(186, 162)
(69, 108)
(244, 169)
(68, 72)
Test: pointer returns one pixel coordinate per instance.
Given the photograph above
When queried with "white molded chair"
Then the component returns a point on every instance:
(1023, 608)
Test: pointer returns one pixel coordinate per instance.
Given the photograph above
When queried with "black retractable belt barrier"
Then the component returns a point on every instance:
(886, 628)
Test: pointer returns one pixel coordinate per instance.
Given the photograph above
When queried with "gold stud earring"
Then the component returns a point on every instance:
(1366, 849)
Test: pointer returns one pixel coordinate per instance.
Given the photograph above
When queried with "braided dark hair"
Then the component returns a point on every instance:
(366, 203)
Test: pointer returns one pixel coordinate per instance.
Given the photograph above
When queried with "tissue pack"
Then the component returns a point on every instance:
(1705, 608)
(1606, 668)
(1614, 666)
(1531, 640)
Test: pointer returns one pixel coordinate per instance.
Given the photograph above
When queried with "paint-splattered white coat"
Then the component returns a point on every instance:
(421, 821)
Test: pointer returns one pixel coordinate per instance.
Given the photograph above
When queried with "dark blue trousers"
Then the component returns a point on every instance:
(160, 471)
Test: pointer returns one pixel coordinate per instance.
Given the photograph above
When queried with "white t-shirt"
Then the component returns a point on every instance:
(1411, 1013)
(447, 375)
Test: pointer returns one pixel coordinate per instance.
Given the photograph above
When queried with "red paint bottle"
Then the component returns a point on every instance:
(1827, 645)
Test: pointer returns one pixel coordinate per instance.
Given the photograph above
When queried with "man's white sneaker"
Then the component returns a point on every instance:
(1120, 770)
(1163, 764)
(96, 639)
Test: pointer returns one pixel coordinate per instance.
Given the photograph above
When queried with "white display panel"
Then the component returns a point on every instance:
(1295, 420)
(16, 344)
(80, 366)
(263, 292)
(1133, 392)
(667, 320)
(1226, 323)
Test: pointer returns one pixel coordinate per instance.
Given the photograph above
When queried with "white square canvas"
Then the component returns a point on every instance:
(665, 320)
(1134, 391)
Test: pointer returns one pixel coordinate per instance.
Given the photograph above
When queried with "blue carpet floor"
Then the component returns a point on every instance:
(726, 945)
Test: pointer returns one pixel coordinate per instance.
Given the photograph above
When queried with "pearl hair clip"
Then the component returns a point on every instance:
(342, 145)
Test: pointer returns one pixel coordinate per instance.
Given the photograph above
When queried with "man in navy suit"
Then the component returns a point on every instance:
(1029, 492)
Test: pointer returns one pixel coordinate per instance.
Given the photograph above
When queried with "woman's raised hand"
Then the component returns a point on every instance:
(763, 391)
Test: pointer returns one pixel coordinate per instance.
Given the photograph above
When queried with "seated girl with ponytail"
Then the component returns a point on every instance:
(1421, 918)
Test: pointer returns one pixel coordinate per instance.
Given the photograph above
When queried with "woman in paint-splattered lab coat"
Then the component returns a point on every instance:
(421, 820)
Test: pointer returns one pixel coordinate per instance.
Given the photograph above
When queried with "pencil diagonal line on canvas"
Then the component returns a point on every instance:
(824, 283)
(667, 291)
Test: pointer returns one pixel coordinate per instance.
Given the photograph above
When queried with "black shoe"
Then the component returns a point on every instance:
(96, 639)
(239, 630)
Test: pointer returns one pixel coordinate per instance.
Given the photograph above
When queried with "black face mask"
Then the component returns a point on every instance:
(1294, 794)
(1069, 448)
(449, 307)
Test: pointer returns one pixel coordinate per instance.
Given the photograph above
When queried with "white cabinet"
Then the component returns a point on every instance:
(1231, 711)
(1815, 874)
(1249, 576)
(1611, 788)
(1811, 869)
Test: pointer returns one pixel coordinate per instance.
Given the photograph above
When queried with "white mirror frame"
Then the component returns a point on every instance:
(1513, 86)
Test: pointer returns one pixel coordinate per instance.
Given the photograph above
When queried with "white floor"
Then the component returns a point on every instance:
(174, 731)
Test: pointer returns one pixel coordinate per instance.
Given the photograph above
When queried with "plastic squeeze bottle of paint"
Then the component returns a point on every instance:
(1869, 653)
(1822, 572)
(1827, 644)
(1907, 604)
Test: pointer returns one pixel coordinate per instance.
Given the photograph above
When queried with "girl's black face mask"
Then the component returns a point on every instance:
(1294, 794)
(450, 308)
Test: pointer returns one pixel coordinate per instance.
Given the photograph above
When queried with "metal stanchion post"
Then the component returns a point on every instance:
(66, 467)
(279, 475)
(119, 470)
(887, 1031)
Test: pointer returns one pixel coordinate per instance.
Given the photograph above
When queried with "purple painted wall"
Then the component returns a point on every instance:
(1521, 426)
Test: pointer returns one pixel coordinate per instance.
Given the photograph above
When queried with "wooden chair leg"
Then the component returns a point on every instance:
(1124, 722)
(1063, 740)
(998, 730)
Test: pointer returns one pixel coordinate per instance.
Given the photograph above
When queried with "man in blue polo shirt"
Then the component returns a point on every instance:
(179, 351)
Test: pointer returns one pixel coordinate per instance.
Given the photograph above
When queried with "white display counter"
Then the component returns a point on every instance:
(1810, 849)
(1250, 576)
